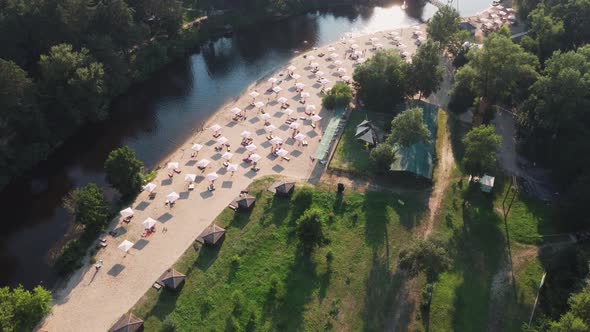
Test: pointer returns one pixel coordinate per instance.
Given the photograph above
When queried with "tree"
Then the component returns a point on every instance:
(428, 255)
(426, 69)
(382, 81)
(88, 206)
(383, 156)
(546, 31)
(123, 171)
(444, 24)
(73, 84)
(463, 91)
(339, 96)
(310, 228)
(23, 309)
(502, 70)
(481, 145)
(408, 128)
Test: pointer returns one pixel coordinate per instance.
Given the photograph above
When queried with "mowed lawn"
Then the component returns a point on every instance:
(351, 155)
(260, 279)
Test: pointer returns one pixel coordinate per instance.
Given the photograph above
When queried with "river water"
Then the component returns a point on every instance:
(154, 117)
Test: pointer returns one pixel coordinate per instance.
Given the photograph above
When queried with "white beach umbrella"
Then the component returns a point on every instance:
(354, 46)
(288, 111)
(148, 223)
(324, 81)
(511, 17)
(319, 73)
(277, 89)
(498, 22)
(405, 54)
(494, 16)
(254, 94)
(222, 140)
(310, 57)
(125, 213)
(499, 7)
(397, 38)
(294, 125)
(259, 104)
(282, 153)
(245, 134)
(236, 110)
(272, 80)
(418, 33)
(125, 246)
(149, 187)
(379, 45)
(373, 39)
(310, 108)
(314, 64)
(270, 128)
(291, 68)
(232, 167)
(502, 13)
(265, 116)
(212, 176)
(334, 55)
(276, 140)
(346, 78)
(300, 85)
(338, 62)
(331, 49)
(282, 100)
(227, 155)
(393, 33)
(315, 118)
(197, 147)
(190, 177)
(215, 127)
(300, 137)
(172, 197)
(421, 39)
(341, 70)
(203, 163)
(172, 165)
(296, 76)
(360, 60)
(255, 157)
(305, 95)
(251, 147)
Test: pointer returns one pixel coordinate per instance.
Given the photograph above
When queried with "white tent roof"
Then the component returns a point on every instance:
(125, 246)
(272, 80)
(277, 89)
(215, 127)
(300, 85)
(190, 177)
(276, 140)
(265, 116)
(282, 152)
(246, 134)
(310, 107)
(172, 197)
(259, 104)
(212, 176)
(282, 100)
(305, 95)
(255, 157)
(315, 118)
(288, 111)
(251, 147)
(296, 76)
(294, 125)
(128, 212)
(232, 167)
(236, 110)
(203, 163)
(254, 94)
(227, 155)
(270, 128)
(300, 137)
(149, 187)
(222, 140)
(172, 165)
(197, 147)
(149, 223)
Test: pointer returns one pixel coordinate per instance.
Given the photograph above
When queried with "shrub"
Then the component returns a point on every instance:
(302, 200)
(382, 157)
(429, 256)
(21, 310)
(339, 96)
(310, 228)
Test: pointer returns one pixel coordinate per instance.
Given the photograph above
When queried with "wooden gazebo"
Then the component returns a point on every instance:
(172, 279)
(212, 235)
(244, 203)
(127, 323)
(285, 189)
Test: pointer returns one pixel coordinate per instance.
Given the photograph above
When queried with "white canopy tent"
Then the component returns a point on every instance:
(125, 246)
(190, 177)
(172, 197)
(149, 223)
(149, 187)
(203, 163)
(126, 213)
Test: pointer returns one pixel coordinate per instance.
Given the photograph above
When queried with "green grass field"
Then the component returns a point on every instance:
(351, 155)
(260, 280)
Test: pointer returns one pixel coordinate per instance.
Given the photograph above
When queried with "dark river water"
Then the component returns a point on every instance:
(156, 116)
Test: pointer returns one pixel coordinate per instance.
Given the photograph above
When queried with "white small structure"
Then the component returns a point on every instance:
(296, 76)
(259, 104)
(272, 80)
(487, 183)
(277, 89)
(291, 68)
(227, 155)
(245, 134)
(197, 147)
(270, 128)
(300, 137)
(254, 94)
(315, 118)
(149, 223)
(149, 187)
(282, 100)
(236, 110)
(125, 246)
(203, 163)
(276, 140)
(222, 140)
(232, 167)
(172, 165)
(212, 176)
(126, 213)
(172, 197)
(251, 147)
(255, 157)
(190, 178)
(282, 153)
(215, 127)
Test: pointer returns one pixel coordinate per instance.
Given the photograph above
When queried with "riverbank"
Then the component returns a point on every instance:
(96, 299)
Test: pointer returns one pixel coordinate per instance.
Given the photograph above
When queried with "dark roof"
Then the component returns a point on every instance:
(172, 278)
(368, 137)
(285, 188)
(365, 123)
(361, 130)
(244, 203)
(127, 323)
(211, 235)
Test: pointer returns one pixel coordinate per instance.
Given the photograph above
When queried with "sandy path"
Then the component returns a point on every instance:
(93, 301)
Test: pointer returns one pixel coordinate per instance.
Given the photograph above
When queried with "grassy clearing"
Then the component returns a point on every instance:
(261, 268)
(351, 155)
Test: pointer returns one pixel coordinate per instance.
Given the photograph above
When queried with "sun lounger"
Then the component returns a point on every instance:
(313, 125)
(170, 174)
(293, 119)
(287, 158)
(157, 286)
(269, 137)
(191, 186)
(304, 143)
(216, 135)
(177, 171)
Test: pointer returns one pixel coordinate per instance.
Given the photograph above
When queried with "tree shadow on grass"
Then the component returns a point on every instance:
(376, 218)
(207, 256)
(278, 210)
(300, 284)
(241, 218)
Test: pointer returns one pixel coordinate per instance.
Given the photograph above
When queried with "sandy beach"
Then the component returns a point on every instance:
(93, 300)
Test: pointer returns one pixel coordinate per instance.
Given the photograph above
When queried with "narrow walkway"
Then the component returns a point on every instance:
(329, 135)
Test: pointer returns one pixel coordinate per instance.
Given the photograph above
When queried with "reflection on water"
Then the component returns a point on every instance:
(154, 117)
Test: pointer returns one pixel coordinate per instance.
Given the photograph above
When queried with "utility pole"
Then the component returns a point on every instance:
(537, 298)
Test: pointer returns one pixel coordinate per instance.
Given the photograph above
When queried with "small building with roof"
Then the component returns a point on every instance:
(285, 189)
(212, 235)
(172, 279)
(418, 159)
(244, 202)
(127, 323)
(487, 183)
(366, 132)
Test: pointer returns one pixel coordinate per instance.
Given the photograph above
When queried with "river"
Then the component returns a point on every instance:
(154, 117)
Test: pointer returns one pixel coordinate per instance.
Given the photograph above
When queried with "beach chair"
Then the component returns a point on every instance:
(287, 158)
(216, 135)
(304, 143)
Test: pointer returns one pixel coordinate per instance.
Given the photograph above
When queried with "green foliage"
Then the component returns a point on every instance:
(430, 256)
(577, 319)
(444, 25)
(303, 198)
(500, 72)
(339, 96)
(310, 228)
(382, 81)
(547, 32)
(88, 206)
(426, 69)
(123, 171)
(408, 128)
(463, 91)
(21, 309)
(481, 145)
(383, 156)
